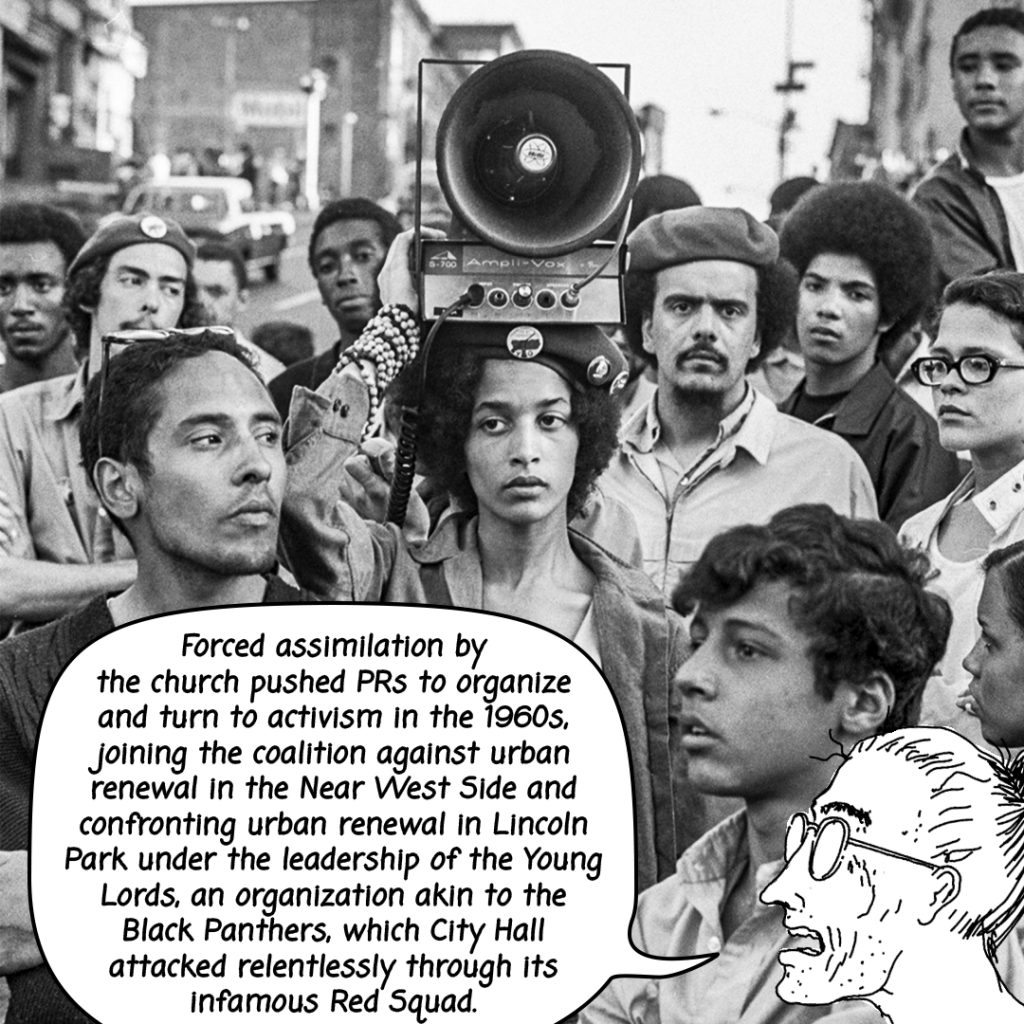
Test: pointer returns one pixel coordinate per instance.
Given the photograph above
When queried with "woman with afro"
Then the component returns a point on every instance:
(864, 256)
(515, 425)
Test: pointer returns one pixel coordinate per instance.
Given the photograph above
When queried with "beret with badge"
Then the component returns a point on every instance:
(581, 353)
(701, 233)
(137, 229)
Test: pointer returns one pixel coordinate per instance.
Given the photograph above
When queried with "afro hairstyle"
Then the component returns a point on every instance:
(874, 223)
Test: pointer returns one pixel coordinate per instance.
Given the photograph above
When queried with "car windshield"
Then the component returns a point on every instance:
(181, 202)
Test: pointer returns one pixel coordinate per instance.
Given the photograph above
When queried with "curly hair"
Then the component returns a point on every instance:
(858, 594)
(874, 223)
(453, 377)
(131, 397)
(39, 222)
(83, 290)
(776, 308)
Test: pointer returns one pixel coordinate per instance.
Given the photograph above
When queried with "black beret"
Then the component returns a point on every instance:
(582, 353)
(701, 233)
(121, 231)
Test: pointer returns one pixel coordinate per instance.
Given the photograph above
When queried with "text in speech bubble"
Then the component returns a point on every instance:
(395, 811)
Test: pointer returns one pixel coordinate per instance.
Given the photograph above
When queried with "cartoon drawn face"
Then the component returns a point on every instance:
(857, 881)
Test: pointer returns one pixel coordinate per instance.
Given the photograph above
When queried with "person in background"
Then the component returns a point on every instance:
(995, 695)
(974, 369)
(811, 632)
(37, 244)
(284, 340)
(134, 272)
(785, 196)
(223, 285)
(974, 200)
(782, 368)
(346, 251)
(656, 194)
(708, 451)
(653, 195)
(864, 256)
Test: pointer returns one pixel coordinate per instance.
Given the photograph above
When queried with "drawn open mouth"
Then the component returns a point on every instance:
(811, 944)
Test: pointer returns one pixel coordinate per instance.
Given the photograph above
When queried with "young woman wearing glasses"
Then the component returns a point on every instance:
(976, 372)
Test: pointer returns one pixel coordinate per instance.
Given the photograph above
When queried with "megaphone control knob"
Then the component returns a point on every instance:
(523, 295)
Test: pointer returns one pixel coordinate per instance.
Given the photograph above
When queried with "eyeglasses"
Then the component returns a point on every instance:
(830, 838)
(977, 369)
(125, 338)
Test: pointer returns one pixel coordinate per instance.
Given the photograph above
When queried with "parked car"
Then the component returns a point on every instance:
(221, 209)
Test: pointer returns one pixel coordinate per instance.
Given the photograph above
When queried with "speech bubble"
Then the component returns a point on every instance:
(395, 811)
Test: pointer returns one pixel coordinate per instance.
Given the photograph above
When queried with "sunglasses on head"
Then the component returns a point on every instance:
(123, 339)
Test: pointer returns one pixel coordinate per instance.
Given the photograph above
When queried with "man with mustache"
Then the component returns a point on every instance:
(707, 451)
(133, 272)
(974, 200)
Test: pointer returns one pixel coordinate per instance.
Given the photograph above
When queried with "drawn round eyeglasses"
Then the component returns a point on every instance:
(829, 839)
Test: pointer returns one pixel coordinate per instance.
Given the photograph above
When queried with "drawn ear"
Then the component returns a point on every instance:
(866, 704)
(945, 889)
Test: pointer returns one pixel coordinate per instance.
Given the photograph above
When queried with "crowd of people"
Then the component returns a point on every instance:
(781, 506)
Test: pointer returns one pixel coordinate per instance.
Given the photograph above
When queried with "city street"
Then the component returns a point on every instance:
(294, 296)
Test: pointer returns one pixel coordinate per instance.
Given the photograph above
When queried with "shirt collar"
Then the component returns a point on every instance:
(755, 434)
(68, 393)
(643, 431)
(963, 154)
(719, 852)
(1003, 500)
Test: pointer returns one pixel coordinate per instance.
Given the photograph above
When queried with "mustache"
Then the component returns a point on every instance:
(703, 352)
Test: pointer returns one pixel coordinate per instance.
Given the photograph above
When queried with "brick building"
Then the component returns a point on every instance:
(69, 74)
(244, 64)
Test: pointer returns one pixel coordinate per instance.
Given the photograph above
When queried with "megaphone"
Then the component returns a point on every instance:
(538, 154)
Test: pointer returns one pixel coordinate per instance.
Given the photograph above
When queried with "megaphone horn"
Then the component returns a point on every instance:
(538, 153)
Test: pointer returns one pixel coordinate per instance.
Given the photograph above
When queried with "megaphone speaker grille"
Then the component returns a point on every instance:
(538, 153)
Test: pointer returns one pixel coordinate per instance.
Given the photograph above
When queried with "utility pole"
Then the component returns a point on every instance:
(314, 85)
(791, 85)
